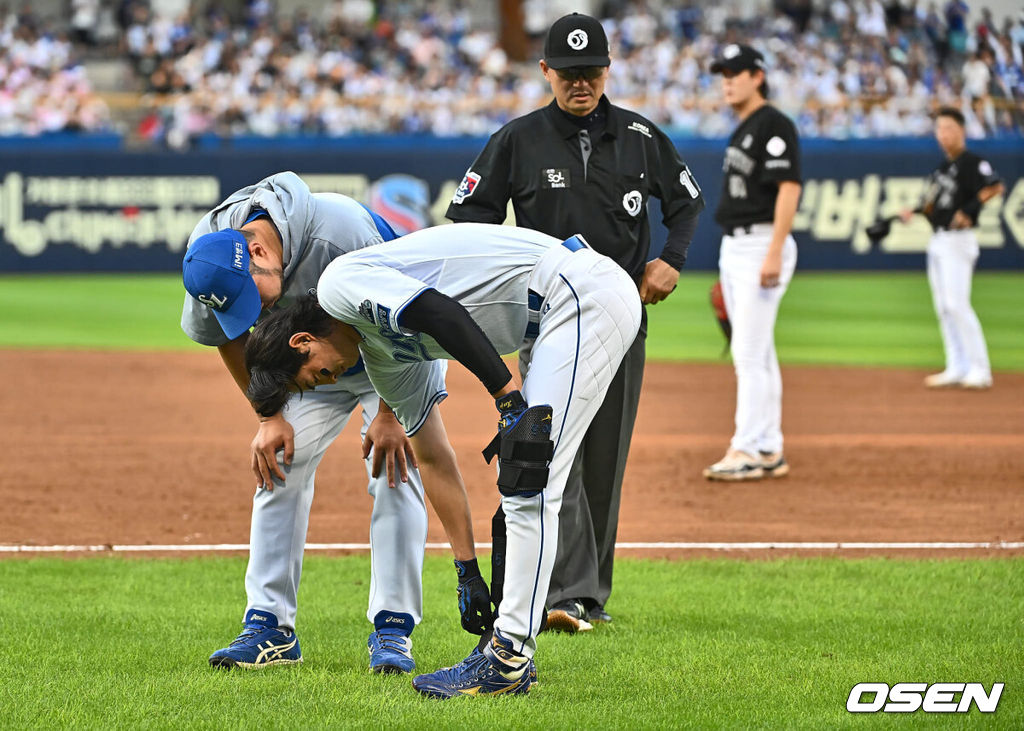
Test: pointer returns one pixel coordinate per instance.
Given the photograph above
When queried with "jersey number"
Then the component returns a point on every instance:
(737, 187)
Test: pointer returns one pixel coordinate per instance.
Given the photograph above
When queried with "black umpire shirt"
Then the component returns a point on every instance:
(954, 186)
(763, 152)
(592, 175)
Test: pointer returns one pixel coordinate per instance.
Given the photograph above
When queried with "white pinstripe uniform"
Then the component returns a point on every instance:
(586, 312)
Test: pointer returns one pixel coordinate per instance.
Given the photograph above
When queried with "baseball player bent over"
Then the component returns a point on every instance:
(469, 292)
(263, 247)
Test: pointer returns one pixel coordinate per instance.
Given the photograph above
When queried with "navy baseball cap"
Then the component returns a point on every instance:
(216, 272)
(736, 58)
(576, 40)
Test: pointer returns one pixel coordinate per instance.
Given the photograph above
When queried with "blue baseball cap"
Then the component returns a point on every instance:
(216, 272)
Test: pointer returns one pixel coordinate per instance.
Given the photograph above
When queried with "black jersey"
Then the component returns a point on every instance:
(561, 182)
(954, 186)
(763, 152)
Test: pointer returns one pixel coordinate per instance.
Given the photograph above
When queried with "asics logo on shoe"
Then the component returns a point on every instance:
(394, 620)
(271, 651)
(258, 617)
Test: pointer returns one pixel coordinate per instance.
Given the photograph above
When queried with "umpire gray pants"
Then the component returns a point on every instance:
(589, 518)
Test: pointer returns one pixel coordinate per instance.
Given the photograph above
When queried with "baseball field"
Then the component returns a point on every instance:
(893, 553)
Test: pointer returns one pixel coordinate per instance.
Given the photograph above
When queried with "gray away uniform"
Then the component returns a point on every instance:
(316, 229)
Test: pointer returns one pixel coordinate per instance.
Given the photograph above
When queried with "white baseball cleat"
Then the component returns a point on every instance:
(976, 381)
(946, 379)
(735, 466)
(774, 464)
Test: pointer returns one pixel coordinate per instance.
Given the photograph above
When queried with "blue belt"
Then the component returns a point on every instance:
(535, 301)
(575, 243)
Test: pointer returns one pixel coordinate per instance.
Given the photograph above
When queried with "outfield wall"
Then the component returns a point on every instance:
(69, 204)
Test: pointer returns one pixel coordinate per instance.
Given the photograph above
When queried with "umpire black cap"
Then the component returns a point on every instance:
(576, 40)
(736, 57)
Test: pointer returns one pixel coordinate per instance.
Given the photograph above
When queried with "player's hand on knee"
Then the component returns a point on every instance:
(275, 434)
(390, 446)
(474, 598)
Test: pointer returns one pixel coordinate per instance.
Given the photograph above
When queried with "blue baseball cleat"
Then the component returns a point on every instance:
(482, 673)
(389, 644)
(261, 644)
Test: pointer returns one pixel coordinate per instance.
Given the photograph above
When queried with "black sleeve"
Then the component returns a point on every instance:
(781, 151)
(680, 234)
(482, 196)
(672, 182)
(447, 322)
(978, 177)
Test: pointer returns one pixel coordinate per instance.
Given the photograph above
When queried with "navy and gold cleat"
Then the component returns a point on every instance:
(482, 673)
(261, 644)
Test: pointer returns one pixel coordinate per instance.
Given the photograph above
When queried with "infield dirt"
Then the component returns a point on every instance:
(143, 448)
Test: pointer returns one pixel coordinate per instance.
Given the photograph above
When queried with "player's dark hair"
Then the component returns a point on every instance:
(953, 113)
(763, 88)
(271, 362)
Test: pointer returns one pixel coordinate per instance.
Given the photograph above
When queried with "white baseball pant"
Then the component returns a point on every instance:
(951, 259)
(589, 317)
(752, 311)
(398, 524)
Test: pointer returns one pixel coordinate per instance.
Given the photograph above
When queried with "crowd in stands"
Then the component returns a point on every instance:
(43, 86)
(840, 68)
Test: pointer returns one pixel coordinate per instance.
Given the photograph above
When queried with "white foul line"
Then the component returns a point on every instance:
(659, 545)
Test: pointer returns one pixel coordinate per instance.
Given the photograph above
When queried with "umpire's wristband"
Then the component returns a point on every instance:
(467, 570)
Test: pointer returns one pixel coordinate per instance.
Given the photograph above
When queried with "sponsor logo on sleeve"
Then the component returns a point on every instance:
(554, 178)
(578, 39)
(366, 310)
(984, 168)
(776, 146)
(466, 187)
(747, 142)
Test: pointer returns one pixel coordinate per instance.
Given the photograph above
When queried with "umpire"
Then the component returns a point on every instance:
(583, 165)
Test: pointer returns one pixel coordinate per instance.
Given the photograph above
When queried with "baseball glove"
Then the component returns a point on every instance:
(879, 229)
(718, 305)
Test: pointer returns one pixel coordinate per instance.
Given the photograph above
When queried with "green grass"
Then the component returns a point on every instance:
(116, 643)
(852, 318)
(848, 318)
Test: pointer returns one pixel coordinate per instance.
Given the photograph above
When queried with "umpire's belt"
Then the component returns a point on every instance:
(535, 302)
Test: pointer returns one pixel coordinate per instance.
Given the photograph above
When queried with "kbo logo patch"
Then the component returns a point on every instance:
(466, 187)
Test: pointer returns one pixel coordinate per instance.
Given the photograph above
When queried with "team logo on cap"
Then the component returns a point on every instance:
(633, 202)
(578, 39)
(212, 300)
(731, 51)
